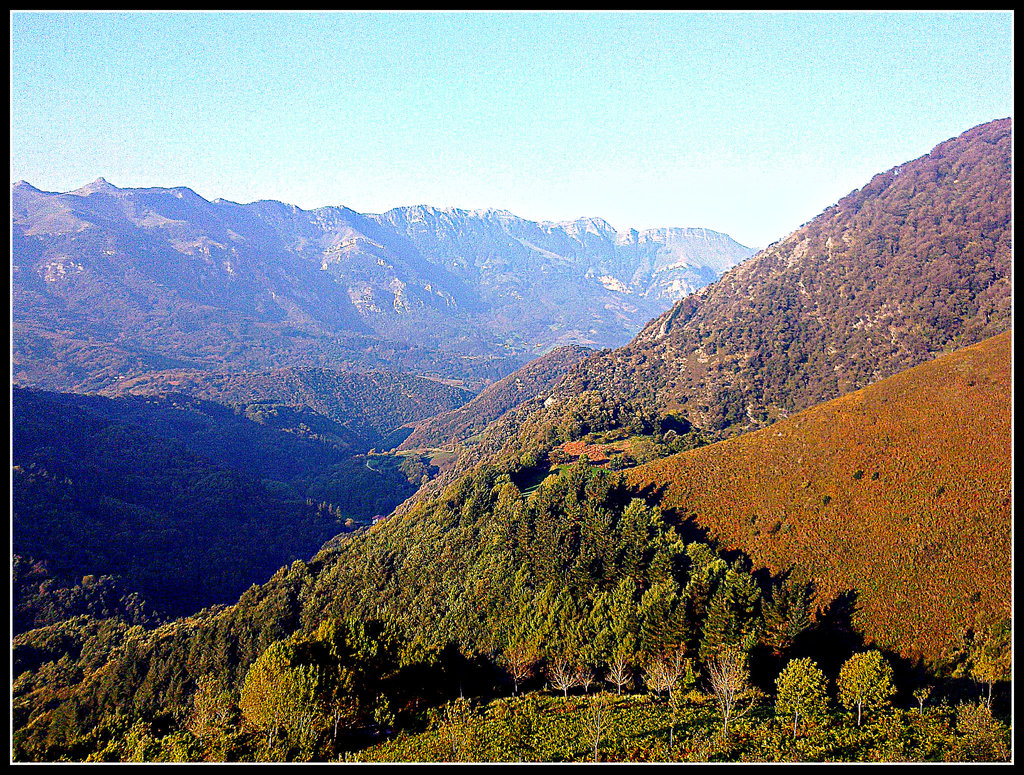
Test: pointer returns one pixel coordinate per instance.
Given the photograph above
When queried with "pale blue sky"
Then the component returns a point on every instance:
(749, 124)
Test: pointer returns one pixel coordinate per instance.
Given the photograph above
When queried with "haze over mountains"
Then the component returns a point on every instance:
(837, 409)
(109, 283)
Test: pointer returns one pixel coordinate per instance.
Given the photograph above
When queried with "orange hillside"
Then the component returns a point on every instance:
(900, 491)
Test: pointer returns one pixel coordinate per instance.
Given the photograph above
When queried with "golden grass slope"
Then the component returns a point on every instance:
(900, 491)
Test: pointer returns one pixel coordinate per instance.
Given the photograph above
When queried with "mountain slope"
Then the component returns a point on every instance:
(914, 263)
(900, 491)
(110, 282)
(487, 564)
(449, 591)
(364, 408)
(101, 487)
(493, 401)
(192, 486)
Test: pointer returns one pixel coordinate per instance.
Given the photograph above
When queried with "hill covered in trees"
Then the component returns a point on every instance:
(914, 263)
(188, 502)
(483, 590)
(361, 409)
(538, 376)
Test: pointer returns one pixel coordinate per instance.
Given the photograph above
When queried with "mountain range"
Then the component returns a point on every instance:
(109, 283)
(817, 451)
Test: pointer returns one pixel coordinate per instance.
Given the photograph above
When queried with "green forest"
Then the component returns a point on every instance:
(486, 625)
(188, 502)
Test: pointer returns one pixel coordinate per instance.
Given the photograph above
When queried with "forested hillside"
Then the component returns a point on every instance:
(485, 588)
(911, 265)
(360, 409)
(482, 590)
(536, 377)
(444, 598)
(188, 502)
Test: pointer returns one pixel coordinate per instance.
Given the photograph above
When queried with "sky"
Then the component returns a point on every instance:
(746, 123)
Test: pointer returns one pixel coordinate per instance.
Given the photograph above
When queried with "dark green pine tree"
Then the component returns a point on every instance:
(732, 614)
(787, 613)
(662, 619)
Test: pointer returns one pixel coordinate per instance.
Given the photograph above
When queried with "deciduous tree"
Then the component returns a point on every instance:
(990, 655)
(564, 675)
(619, 672)
(595, 720)
(800, 692)
(278, 697)
(521, 661)
(729, 679)
(865, 681)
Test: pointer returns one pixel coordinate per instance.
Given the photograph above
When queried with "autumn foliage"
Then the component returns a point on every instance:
(900, 491)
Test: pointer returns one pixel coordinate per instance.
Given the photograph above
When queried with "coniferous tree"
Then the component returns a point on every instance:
(787, 613)
(662, 618)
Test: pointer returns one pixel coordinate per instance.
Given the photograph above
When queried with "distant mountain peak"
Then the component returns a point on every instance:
(587, 225)
(99, 186)
(183, 192)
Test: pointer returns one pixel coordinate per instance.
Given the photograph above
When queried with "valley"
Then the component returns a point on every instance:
(452, 485)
